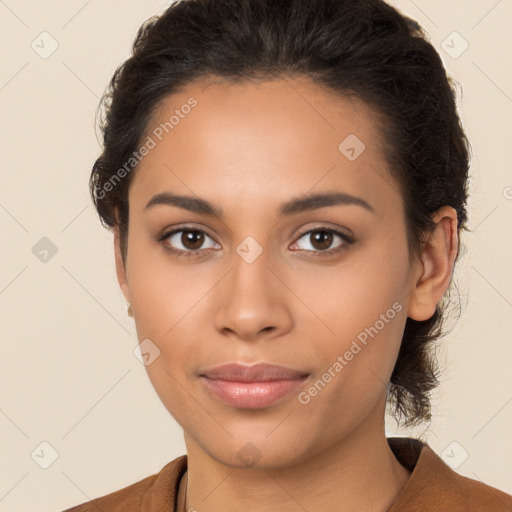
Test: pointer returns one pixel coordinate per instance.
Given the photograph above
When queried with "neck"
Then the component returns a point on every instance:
(358, 473)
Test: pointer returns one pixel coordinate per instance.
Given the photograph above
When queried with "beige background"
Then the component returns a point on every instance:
(68, 373)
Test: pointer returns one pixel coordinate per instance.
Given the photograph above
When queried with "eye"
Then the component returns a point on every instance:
(190, 239)
(320, 239)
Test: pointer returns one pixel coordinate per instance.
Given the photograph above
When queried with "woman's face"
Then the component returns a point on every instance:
(330, 306)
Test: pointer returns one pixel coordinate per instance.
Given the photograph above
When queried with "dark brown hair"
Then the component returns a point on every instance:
(364, 48)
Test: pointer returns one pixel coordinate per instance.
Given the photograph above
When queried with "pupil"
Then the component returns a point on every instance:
(324, 237)
(188, 238)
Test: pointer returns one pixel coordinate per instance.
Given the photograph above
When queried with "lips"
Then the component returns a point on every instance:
(260, 372)
(251, 387)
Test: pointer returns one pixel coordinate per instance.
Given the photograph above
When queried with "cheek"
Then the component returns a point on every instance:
(351, 296)
(163, 294)
(175, 393)
(363, 310)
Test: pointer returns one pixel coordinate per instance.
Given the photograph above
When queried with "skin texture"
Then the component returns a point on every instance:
(248, 148)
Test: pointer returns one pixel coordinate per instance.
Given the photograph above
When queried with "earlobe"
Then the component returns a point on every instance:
(437, 259)
(120, 269)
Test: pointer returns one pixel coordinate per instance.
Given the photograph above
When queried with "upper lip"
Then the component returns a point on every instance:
(254, 373)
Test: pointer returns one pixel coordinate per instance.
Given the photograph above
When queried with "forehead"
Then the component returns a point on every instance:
(276, 138)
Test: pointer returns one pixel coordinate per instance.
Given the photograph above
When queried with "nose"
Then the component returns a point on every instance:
(253, 301)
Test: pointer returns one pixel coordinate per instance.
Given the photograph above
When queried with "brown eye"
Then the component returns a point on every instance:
(192, 239)
(186, 242)
(321, 241)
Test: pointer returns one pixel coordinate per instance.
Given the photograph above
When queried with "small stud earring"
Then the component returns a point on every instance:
(129, 311)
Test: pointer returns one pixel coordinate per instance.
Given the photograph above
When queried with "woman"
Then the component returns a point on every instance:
(287, 183)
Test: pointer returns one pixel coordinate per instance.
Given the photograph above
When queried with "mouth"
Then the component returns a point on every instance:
(251, 387)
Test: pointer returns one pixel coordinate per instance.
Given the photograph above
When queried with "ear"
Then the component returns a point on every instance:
(120, 269)
(437, 260)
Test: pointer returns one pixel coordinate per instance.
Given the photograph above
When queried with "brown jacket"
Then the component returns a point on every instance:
(432, 487)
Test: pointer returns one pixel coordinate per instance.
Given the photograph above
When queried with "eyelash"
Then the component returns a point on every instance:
(187, 254)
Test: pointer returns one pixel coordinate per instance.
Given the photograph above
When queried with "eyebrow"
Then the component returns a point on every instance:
(291, 207)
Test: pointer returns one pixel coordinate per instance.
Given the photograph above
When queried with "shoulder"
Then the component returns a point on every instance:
(128, 499)
(435, 486)
(481, 497)
(153, 492)
(470, 495)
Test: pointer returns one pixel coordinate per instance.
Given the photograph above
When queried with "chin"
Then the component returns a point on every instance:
(258, 452)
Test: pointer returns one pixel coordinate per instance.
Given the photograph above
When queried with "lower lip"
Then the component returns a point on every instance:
(251, 395)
